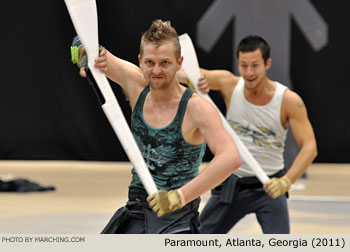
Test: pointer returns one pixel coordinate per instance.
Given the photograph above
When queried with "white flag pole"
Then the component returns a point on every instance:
(83, 14)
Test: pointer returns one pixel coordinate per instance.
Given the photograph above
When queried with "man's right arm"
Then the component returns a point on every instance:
(126, 74)
(220, 80)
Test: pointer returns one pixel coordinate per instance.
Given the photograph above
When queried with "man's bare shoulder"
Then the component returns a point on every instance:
(197, 100)
(292, 102)
(197, 105)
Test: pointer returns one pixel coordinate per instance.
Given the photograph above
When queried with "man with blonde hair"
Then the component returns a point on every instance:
(172, 126)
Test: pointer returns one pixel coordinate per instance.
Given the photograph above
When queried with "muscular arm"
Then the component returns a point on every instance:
(301, 127)
(226, 157)
(126, 74)
(221, 80)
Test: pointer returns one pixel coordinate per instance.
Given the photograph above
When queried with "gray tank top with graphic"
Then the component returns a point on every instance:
(171, 160)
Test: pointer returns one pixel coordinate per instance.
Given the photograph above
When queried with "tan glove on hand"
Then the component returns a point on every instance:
(277, 186)
(163, 202)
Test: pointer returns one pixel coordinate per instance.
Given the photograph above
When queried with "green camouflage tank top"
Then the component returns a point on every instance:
(171, 160)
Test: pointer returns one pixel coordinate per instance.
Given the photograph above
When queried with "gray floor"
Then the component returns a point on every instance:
(314, 213)
(88, 194)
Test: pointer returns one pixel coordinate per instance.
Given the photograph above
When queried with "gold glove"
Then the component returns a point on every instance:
(277, 186)
(163, 202)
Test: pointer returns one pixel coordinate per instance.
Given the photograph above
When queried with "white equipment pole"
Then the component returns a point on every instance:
(84, 17)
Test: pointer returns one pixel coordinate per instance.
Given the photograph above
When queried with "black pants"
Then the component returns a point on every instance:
(235, 198)
(138, 218)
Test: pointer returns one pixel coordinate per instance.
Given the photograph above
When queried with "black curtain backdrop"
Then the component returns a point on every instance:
(47, 112)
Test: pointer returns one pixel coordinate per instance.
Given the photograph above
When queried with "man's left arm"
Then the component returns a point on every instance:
(302, 130)
(226, 156)
(304, 135)
(226, 159)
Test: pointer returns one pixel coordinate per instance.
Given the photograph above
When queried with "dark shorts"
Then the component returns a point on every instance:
(136, 217)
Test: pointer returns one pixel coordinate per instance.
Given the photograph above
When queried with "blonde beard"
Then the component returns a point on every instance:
(163, 86)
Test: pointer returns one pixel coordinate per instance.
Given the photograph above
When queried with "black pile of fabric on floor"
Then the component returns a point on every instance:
(23, 186)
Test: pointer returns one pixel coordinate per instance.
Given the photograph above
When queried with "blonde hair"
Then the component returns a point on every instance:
(160, 32)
